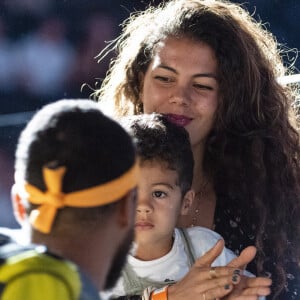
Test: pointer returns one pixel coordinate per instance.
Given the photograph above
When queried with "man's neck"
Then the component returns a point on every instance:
(82, 251)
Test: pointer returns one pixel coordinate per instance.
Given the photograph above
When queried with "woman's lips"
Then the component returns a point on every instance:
(142, 225)
(179, 120)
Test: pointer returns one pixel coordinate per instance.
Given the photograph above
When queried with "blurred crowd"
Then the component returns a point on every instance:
(48, 50)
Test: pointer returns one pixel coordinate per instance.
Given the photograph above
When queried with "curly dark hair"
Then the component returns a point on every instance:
(253, 150)
(157, 139)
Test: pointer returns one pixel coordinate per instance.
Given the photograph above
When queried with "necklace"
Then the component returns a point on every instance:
(198, 197)
(204, 208)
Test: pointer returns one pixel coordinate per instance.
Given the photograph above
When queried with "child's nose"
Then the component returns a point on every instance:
(144, 205)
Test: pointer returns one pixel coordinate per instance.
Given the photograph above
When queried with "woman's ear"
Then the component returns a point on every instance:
(141, 86)
(187, 202)
(18, 206)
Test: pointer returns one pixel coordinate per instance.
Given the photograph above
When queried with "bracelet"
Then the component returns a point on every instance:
(160, 294)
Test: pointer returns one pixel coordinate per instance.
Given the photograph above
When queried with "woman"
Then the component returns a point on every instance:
(210, 67)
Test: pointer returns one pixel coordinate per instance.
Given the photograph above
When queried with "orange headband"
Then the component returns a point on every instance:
(43, 216)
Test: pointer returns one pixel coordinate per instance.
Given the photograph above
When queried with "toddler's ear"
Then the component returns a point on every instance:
(187, 202)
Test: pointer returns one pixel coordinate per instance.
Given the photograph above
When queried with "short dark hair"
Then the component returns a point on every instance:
(76, 134)
(157, 139)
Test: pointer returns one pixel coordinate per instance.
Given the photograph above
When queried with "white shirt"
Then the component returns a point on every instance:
(175, 265)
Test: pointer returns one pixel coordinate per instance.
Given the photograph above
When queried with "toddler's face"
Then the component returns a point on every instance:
(159, 205)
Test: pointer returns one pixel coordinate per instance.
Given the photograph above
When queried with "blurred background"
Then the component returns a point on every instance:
(48, 49)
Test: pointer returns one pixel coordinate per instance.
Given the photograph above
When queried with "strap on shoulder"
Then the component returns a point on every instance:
(188, 246)
(9, 247)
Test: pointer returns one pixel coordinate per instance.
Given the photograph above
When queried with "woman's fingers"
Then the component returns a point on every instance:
(249, 293)
(218, 272)
(215, 293)
(175, 292)
(246, 256)
(256, 281)
(251, 288)
(258, 291)
(209, 257)
(206, 283)
(242, 297)
(210, 282)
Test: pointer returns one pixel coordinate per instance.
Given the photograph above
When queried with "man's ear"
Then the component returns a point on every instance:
(127, 209)
(187, 202)
(18, 206)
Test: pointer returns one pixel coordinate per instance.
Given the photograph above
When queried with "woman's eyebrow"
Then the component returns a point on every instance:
(210, 75)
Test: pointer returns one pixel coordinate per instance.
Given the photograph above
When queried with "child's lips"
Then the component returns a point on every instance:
(143, 225)
(179, 120)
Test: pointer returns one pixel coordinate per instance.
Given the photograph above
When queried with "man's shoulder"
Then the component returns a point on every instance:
(35, 264)
(31, 270)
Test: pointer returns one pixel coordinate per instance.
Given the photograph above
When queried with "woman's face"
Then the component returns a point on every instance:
(181, 82)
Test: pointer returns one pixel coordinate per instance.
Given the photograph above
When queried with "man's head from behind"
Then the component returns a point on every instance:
(74, 168)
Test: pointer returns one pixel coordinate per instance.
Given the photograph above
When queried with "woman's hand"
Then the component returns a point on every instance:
(204, 282)
(249, 288)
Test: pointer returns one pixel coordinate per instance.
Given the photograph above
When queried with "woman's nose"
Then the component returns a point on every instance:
(179, 96)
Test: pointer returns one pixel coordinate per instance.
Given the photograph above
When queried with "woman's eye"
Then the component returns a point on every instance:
(202, 87)
(159, 194)
(163, 79)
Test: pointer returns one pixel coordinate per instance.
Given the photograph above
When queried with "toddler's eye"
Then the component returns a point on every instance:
(159, 194)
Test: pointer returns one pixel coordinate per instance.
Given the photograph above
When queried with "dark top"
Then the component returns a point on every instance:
(88, 290)
(238, 232)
